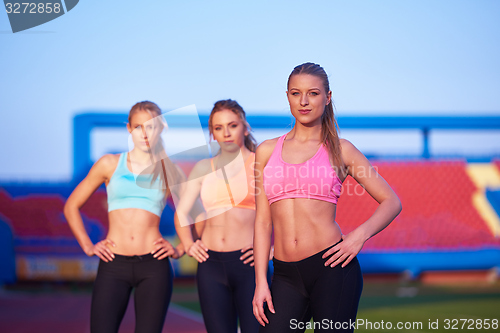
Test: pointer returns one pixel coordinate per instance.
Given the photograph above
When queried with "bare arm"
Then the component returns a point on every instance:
(98, 174)
(263, 221)
(262, 234)
(183, 225)
(196, 213)
(389, 207)
(200, 222)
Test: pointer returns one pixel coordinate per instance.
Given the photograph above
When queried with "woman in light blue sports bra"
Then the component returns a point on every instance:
(134, 254)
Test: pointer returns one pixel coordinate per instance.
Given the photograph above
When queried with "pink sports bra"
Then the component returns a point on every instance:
(312, 179)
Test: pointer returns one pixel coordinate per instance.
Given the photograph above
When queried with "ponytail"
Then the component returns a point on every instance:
(331, 140)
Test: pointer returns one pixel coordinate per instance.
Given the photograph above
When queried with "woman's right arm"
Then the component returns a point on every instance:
(97, 175)
(187, 199)
(196, 213)
(262, 234)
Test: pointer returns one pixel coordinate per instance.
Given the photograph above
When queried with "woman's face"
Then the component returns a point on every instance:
(145, 130)
(229, 130)
(307, 97)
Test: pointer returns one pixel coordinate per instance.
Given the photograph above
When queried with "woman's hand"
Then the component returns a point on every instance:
(248, 256)
(163, 248)
(344, 251)
(262, 294)
(179, 251)
(198, 250)
(101, 250)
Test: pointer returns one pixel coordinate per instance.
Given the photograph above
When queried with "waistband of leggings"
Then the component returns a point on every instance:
(314, 257)
(225, 256)
(136, 258)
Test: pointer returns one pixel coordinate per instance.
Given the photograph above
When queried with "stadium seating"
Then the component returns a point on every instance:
(437, 214)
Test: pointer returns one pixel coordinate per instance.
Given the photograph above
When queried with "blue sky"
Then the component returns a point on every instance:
(383, 57)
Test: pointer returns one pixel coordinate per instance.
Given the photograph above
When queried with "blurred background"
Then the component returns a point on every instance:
(416, 87)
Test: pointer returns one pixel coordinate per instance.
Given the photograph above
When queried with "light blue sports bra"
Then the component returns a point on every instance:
(123, 191)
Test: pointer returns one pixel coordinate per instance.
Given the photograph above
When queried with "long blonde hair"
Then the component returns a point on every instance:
(329, 126)
(165, 169)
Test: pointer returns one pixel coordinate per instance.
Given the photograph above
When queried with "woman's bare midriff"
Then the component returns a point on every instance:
(303, 227)
(229, 231)
(133, 231)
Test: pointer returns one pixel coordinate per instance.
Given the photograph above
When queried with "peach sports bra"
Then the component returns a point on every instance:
(312, 179)
(238, 191)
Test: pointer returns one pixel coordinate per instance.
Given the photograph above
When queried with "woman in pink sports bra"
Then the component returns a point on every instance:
(298, 181)
(225, 184)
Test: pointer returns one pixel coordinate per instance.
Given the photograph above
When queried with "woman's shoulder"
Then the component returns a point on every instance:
(108, 161)
(346, 144)
(267, 146)
(349, 151)
(106, 165)
(265, 150)
(110, 158)
(204, 163)
(201, 168)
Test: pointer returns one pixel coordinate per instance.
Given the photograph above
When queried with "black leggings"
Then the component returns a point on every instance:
(152, 280)
(306, 288)
(225, 288)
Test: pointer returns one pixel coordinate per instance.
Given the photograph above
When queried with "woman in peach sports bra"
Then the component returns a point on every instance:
(225, 184)
(298, 182)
